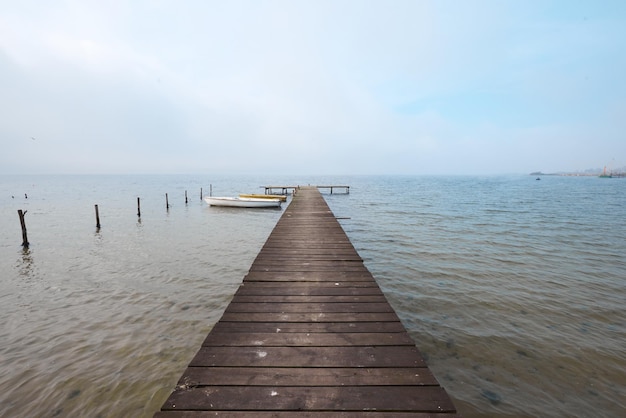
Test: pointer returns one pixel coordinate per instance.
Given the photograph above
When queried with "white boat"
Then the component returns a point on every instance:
(242, 202)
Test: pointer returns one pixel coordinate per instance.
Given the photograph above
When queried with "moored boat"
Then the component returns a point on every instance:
(242, 202)
(281, 197)
(605, 175)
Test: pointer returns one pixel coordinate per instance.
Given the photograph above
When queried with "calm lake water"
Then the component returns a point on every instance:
(513, 289)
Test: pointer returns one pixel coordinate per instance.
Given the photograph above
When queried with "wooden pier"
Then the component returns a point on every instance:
(308, 334)
(286, 189)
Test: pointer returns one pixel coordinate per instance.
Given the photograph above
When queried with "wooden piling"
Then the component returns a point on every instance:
(186, 201)
(138, 208)
(23, 223)
(167, 203)
(200, 193)
(97, 217)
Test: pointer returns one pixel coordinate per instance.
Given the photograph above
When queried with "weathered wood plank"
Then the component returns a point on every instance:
(343, 398)
(375, 356)
(310, 327)
(310, 266)
(285, 250)
(316, 258)
(268, 298)
(293, 339)
(315, 247)
(333, 307)
(300, 414)
(342, 287)
(292, 376)
(313, 276)
(310, 317)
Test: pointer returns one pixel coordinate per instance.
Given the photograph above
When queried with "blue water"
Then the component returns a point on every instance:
(512, 288)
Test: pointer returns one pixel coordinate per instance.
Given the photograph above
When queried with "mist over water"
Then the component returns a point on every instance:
(512, 288)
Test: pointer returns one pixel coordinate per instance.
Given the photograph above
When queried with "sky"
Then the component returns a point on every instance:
(333, 87)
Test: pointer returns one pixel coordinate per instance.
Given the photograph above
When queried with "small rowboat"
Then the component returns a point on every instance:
(281, 197)
(242, 202)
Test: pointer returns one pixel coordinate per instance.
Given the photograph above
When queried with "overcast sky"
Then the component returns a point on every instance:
(311, 87)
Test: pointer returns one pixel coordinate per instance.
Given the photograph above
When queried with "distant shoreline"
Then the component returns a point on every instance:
(585, 174)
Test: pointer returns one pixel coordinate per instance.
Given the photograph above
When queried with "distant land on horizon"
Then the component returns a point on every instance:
(591, 172)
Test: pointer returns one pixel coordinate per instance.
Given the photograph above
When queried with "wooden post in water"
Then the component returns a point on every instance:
(97, 217)
(138, 208)
(23, 223)
(167, 203)
(186, 197)
(210, 190)
(200, 193)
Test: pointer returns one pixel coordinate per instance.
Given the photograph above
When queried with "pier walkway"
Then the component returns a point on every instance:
(308, 334)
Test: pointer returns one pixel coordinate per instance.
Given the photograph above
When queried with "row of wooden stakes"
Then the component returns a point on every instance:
(21, 213)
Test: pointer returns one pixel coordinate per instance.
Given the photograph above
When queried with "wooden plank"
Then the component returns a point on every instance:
(294, 339)
(284, 248)
(334, 307)
(343, 398)
(310, 317)
(294, 259)
(269, 298)
(313, 276)
(300, 414)
(306, 252)
(317, 290)
(292, 376)
(327, 245)
(312, 267)
(375, 356)
(310, 327)
(297, 287)
(309, 262)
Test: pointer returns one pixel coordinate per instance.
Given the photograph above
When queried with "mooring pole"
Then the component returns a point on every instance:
(97, 217)
(210, 190)
(167, 203)
(138, 208)
(186, 197)
(200, 193)
(23, 223)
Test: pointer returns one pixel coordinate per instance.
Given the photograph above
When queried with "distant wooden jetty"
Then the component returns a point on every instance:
(308, 334)
(288, 189)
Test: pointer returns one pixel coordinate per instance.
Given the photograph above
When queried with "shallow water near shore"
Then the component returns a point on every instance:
(512, 288)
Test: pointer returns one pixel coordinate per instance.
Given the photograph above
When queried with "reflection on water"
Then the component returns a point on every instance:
(25, 264)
